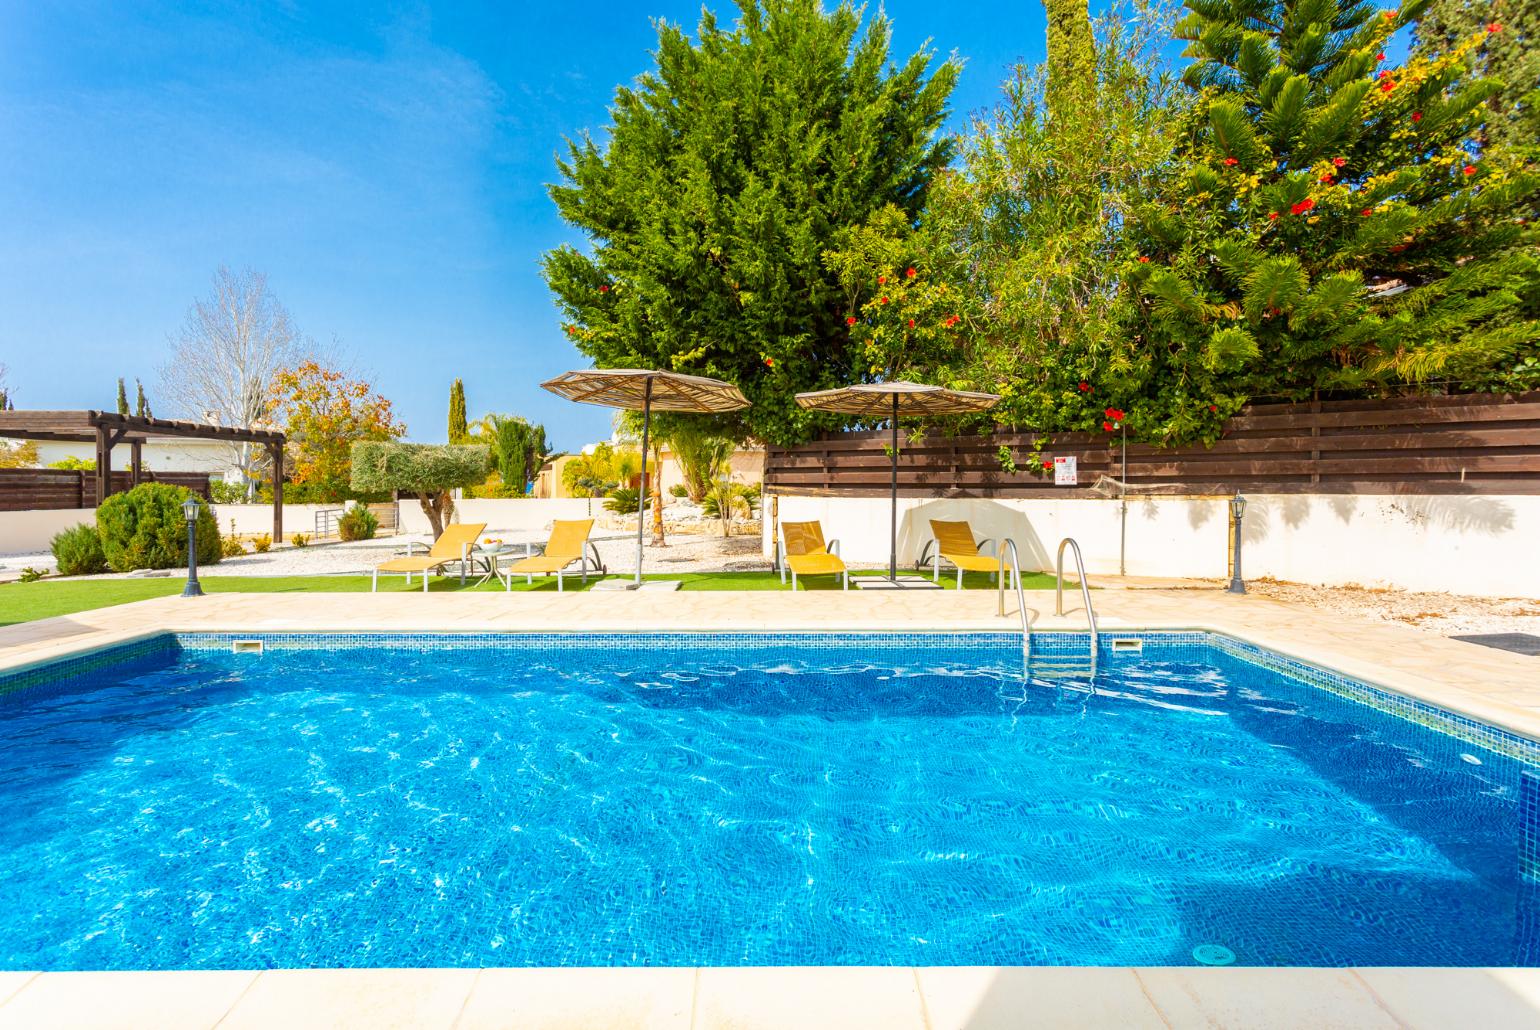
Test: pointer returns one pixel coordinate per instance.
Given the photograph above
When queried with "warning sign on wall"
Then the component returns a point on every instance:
(1064, 473)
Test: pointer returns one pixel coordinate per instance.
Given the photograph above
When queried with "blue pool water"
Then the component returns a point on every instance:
(738, 802)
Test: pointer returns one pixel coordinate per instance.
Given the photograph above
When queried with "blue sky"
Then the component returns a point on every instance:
(384, 166)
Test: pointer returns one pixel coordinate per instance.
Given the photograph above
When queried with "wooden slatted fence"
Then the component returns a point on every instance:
(1471, 444)
(52, 489)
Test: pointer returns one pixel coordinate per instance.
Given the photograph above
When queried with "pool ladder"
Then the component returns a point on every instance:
(1059, 666)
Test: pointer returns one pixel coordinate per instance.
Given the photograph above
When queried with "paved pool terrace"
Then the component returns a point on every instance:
(1489, 685)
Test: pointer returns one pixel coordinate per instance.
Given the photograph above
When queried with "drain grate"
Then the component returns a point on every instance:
(1213, 955)
(1518, 643)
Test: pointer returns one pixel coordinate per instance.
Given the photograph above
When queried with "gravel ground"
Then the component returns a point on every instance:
(1437, 613)
(617, 549)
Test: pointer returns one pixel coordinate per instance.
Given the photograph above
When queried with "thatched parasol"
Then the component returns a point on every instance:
(640, 389)
(894, 401)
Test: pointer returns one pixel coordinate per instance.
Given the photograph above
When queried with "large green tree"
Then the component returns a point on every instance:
(1015, 282)
(1334, 229)
(726, 173)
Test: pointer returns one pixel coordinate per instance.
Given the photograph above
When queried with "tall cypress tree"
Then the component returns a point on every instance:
(122, 397)
(459, 432)
(141, 403)
(1334, 228)
(728, 170)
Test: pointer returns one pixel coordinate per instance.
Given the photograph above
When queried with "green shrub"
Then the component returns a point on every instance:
(78, 550)
(357, 524)
(144, 529)
(31, 575)
(300, 540)
(622, 500)
(227, 493)
(260, 544)
(230, 547)
(679, 490)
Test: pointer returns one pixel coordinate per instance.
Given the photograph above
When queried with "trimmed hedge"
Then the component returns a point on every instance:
(144, 529)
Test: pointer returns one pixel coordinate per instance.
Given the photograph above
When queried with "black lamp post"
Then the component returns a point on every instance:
(190, 513)
(1238, 511)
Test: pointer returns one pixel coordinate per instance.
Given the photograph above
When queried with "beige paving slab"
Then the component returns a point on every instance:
(809, 998)
(193, 1000)
(11, 982)
(1263, 999)
(596, 999)
(1456, 999)
(989, 998)
(352, 999)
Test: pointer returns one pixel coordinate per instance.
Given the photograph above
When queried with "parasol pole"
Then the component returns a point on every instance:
(641, 497)
(893, 527)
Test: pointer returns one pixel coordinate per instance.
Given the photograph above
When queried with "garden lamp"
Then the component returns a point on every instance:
(190, 513)
(1237, 512)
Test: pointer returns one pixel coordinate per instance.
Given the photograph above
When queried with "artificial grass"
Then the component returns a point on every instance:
(25, 602)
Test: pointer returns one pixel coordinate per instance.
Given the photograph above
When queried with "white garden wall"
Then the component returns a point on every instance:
(504, 516)
(30, 532)
(1476, 545)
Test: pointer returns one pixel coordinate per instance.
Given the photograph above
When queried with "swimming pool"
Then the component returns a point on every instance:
(732, 799)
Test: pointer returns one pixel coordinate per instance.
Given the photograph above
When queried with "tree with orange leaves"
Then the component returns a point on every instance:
(323, 413)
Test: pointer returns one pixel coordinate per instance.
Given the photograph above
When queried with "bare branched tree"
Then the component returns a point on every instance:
(225, 356)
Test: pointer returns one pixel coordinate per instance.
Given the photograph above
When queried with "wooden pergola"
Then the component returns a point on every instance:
(108, 429)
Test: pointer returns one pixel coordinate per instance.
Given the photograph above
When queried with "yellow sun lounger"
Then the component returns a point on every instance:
(569, 540)
(804, 551)
(954, 544)
(454, 546)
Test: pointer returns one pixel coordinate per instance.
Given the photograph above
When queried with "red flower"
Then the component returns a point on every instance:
(909, 273)
(1302, 206)
(1416, 116)
(1379, 57)
(851, 320)
(1339, 161)
(1470, 169)
(604, 289)
(1387, 86)
(884, 300)
(1048, 464)
(1272, 216)
(881, 279)
(1107, 426)
(1366, 212)
(1085, 387)
(911, 323)
(1231, 162)
(1493, 28)
(1388, 15)
(1326, 178)
(1384, 75)
(1116, 414)
(951, 320)
(1143, 260)
(1213, 407)
(769, 362)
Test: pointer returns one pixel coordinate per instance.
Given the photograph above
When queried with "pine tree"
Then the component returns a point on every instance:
(1334, 229)
(122, 397)
(459, 432)
(729, 169)
(1509, 53)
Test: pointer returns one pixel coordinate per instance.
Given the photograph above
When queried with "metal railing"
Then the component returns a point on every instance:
(1085, 594)
(1008, 546)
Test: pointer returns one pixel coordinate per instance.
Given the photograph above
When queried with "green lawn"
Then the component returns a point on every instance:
(23, 602)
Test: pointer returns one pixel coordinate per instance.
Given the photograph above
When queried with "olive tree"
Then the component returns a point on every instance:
(431, 471)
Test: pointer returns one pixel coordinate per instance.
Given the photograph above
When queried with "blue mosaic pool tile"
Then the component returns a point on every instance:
(83, 665)
(1461, 727)
(1529, 825)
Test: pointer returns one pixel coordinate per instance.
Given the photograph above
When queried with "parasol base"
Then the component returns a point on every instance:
(901, 583)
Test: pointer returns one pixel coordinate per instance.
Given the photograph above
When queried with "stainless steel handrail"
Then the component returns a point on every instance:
(1009, 545)
(1085, 594)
